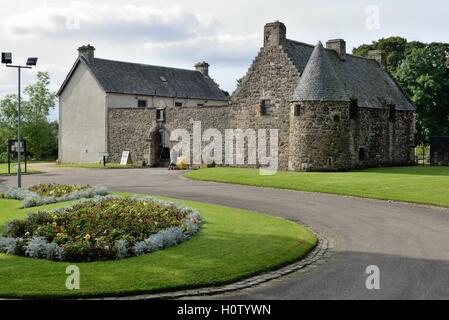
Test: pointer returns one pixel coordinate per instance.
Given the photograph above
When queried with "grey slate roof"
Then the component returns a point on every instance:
(147, 80)
(362, 78)
(319, 80)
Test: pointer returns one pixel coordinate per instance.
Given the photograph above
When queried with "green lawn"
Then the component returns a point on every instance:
(424, 185)
(111, 165)
(231, 245)
(4, 169)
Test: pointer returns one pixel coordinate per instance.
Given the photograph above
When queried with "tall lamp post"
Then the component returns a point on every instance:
(7, 59)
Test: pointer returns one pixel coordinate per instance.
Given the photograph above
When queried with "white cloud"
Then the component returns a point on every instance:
(222, 48)
(113, 22)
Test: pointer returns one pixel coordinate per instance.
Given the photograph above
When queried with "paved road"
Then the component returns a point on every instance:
(410, 244)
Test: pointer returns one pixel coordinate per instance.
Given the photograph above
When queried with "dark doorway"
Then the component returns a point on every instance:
(161, 148)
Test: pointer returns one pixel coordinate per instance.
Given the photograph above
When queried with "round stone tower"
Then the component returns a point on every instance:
(319, 118)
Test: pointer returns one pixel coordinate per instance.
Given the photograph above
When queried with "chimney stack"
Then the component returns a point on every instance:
(379, 56)
(87, 52)
(203, 67)
(275, 34)
(339, 46)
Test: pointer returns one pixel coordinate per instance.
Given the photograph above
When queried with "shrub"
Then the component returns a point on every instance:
(102, 228)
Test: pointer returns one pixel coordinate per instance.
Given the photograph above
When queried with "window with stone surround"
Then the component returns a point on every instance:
(160, 115)
(362, 154)
(298, 110)
(142, 103)
(354, 109)
(265, 107)
(392, 110)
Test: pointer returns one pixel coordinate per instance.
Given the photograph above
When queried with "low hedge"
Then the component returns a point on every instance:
(103, 228)
(43, 194)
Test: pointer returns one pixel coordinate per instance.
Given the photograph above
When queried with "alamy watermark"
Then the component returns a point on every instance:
(372, 21)
(72, 281)
(242, 147)
(373, 280)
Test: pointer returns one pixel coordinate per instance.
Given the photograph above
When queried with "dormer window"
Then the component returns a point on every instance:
(265, 107)
(142, 103)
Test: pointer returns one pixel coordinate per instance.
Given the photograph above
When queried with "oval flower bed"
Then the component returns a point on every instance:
(43, 194)
(103, 228)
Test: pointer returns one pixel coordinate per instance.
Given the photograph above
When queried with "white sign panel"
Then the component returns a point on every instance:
(124, 160)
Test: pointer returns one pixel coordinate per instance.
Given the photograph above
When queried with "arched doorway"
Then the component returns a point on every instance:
(160, 148)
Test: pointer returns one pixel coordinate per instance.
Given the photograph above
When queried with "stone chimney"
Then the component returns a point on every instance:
(275, 34)
(339, 46)
(87, 52)
(379, 56)
(202, 67)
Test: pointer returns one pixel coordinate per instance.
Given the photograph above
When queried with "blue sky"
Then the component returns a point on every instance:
(227, 34)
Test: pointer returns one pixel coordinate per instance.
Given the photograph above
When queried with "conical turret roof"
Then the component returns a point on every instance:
(319, 81)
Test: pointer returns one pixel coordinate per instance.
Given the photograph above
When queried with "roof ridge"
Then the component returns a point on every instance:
(312, 46)
(145, 64)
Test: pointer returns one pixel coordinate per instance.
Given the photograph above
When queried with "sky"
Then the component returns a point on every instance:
(225, 33)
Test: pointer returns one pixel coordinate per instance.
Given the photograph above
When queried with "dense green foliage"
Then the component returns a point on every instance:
(423, 72)
(426, 185)
(232, 244)
(41, 134)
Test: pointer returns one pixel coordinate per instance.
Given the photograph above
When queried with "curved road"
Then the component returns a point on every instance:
(409, 243)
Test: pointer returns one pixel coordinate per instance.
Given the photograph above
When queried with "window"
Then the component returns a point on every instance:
(178, 104)
(142, 103)
(362, 154)
(354, 109)
(160, 115)
(265, 107)
(336, 118)
(297, 110)
(200, 105)
(392, 112)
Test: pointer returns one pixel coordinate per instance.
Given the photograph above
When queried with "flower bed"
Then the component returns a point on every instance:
(43, 194)
(103, 228)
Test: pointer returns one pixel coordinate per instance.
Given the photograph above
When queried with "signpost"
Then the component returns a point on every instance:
(104, 155)
(126, 158)
(13, 147)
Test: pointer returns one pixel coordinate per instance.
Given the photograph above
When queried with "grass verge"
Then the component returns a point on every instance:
(417, 184)
(232, 244)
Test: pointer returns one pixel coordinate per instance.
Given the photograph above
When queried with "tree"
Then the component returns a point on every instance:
(395, 48)
(36, 128)
(424, 75)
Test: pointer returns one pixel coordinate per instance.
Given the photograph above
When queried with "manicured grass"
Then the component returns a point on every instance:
(231, 245)
(4, 169)
(418, 184)
(98, 166)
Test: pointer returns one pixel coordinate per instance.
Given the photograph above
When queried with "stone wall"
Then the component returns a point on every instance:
(385, 142)
(133, 129)
(319, 137)
(272, 76)
(324, 138)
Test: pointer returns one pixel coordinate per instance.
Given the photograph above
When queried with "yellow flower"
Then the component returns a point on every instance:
(87, 237)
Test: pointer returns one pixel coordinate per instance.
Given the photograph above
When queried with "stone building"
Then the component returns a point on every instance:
(112, 106)
(333, 110)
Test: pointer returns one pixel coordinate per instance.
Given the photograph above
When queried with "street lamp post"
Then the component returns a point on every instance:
(7, 59)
